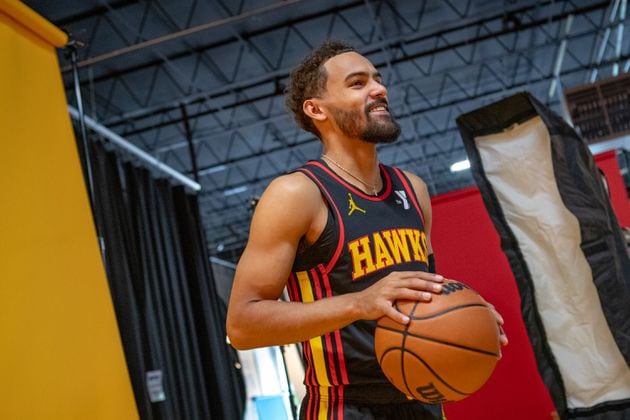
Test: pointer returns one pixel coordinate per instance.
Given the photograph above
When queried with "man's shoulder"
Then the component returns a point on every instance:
(288, 206)
(293, 186)
(415, 180)
(292, 181)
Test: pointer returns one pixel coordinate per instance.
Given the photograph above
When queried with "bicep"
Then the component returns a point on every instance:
(282, 217)
(263, 268)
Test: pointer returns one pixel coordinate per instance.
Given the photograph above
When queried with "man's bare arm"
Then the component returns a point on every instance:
(290, 209)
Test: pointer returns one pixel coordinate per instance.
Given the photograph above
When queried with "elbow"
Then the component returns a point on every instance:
(240, 341)
(235, 339)
(239, 344)
(237, 336)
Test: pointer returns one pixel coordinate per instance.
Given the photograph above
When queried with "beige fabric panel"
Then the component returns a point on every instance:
(518, 164)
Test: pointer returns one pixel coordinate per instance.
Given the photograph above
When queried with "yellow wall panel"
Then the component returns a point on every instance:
(60, 350)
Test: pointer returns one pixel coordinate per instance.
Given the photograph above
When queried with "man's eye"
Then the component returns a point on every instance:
(356, 83)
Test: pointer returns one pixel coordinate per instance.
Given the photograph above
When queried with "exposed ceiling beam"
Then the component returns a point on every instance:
(97, 11)
(392, 42)
(203, 48)
(180, 34)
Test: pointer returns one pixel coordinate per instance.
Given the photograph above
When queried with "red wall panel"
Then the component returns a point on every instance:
(467, 248)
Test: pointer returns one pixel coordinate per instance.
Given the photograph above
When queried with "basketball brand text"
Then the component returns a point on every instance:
(431, 394)
(449, 288)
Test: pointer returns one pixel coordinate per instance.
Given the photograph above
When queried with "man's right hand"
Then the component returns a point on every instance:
(378, 300)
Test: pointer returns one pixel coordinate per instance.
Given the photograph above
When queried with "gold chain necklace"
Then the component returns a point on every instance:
(367, 184)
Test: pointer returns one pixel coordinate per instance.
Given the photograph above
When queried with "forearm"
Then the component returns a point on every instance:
(272, 322)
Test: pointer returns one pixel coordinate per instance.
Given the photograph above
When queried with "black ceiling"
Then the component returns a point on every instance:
(168, 74)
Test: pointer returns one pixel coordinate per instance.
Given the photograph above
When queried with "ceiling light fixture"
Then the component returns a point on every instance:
(234, 191)
(460, 166)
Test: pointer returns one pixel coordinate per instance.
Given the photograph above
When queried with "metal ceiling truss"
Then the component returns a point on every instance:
(218, 106)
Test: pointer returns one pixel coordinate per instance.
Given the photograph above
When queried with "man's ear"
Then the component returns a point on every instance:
(313, 110)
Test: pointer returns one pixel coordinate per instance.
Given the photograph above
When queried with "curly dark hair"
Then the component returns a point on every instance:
(308, 80)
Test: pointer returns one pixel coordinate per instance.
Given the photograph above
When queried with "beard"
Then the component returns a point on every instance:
(382, 129)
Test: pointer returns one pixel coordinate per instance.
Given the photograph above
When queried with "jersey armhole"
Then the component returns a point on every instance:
(333, 226)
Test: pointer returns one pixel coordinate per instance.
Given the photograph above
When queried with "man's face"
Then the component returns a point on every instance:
(357, 101)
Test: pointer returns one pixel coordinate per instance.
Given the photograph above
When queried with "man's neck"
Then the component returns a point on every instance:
(356, 162)
(355, 153)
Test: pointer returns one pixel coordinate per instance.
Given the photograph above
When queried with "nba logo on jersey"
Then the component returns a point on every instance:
(403, 196)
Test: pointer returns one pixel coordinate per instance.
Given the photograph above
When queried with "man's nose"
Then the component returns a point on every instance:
(378, 90)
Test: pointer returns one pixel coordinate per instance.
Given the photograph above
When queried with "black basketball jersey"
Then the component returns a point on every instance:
(366, 237)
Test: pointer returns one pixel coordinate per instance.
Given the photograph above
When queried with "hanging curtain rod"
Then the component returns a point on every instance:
(136, 151)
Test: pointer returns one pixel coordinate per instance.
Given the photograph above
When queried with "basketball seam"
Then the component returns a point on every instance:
(404, 340)
(435, 340)
(402, 350)
(468, 305)
(445, 311)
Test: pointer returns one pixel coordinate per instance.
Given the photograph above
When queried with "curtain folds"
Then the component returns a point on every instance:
(169, 314)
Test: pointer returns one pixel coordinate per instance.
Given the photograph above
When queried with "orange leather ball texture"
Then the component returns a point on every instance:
(446, 352)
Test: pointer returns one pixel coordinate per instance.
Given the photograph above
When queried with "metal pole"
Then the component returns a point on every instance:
(134, 150)
(71, 48)
(286, 373)
(189, 140)
(619, 40)
(555, 82)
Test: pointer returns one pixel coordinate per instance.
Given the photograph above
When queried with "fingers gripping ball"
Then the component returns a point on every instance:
(447, 351)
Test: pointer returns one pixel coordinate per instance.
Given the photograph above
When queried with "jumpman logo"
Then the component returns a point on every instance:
(352, 206)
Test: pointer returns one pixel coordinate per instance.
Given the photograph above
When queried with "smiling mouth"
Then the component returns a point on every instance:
(379, 108)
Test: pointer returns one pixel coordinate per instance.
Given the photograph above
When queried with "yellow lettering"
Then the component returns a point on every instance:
(381, 254)
(361, 257)
(386, 248)
(424, 247)
(419, 244)
(397, 244)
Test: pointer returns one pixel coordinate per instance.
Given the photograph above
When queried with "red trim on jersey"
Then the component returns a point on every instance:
(410, 191)
(292, 288)
(332, 401)
(337, 334)
(316, 284)
(342, 359)
(331, 371)
(307, 359)
(340, 404)
(317, 401)
(310, 378)
(380, 197)
(317, 406)
(340, 243)
(311, 410)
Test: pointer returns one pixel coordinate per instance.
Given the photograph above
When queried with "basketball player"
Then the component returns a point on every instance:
(347, 236)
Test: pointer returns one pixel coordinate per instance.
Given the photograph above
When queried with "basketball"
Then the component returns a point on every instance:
(448, 350)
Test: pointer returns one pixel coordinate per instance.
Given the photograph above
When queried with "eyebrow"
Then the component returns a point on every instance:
(362, 73)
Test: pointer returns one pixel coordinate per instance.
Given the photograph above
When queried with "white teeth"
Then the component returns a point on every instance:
(378, 108)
